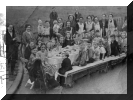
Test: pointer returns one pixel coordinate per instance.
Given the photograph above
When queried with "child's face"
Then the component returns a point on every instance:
(55, 22)
(34, 51)
(68, 35)
(89, 45)
(43, 48)
(80, 20)
(71, 17)
(39, 43)
(89, 18)
(112, 38)
(47, 24)
(61, 39)
(123, 35)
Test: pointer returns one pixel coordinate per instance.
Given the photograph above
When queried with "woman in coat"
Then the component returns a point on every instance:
(28, 36)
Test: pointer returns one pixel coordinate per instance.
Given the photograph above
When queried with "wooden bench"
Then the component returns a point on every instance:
(78, 72)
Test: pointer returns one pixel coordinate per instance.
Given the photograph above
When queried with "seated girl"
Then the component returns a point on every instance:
(42, 54)
(39, 45)
(83, 57)
(96, 49)
(61, 40)
(68, 40)
(32, 58)
(102, 50)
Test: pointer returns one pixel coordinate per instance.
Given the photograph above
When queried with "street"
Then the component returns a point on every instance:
(112, 82)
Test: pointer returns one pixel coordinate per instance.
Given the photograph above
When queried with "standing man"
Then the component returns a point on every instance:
(53, 16)
(104, 25)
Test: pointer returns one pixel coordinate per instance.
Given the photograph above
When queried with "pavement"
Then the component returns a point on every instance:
(11, 80)
(112, 82)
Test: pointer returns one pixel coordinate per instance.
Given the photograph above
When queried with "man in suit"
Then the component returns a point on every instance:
(104, 25)
(12, 49)
(65, 66)
(53, 16)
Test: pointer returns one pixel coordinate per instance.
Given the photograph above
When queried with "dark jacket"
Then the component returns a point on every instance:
(114, 48)
(68, 42)
(65, 66)
(53, 16)
(27, 53)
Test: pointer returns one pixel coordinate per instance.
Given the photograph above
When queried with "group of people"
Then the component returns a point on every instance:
(96, 38)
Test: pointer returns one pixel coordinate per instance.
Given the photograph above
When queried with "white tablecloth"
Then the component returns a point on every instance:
(56, 59)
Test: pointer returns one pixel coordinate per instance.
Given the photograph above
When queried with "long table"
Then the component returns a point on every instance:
(78, 72)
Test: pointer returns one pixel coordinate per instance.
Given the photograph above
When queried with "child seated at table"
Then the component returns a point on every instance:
(102, 50)
(90, 53)
(114, 46)
(124, 41)
(39, 45)
(65, 66)
(68, 40)
(32, 58)
(83, 56)
(42, 54)
(61, 40)
(96, 55)
(107, 47)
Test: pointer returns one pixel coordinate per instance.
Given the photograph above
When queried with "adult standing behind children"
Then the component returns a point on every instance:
(53, 16)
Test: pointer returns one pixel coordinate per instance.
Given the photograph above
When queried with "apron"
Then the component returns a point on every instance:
(111, 27)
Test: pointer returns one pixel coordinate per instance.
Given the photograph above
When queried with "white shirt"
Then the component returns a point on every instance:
(102, 50)
(47, 31)
(10, 33)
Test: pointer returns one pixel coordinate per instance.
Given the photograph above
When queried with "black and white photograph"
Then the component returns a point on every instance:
(66, 49)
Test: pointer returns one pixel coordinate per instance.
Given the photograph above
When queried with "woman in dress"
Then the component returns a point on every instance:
(72, 20)
(28, 36)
